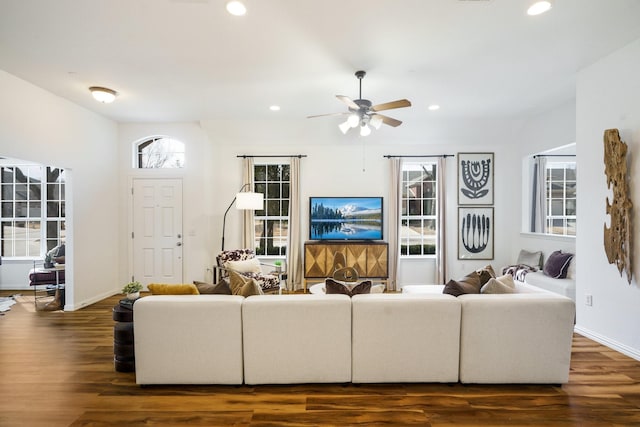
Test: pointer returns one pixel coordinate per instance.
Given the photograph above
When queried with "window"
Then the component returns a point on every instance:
(272, 223)
(160, 153)
(560, 185)
(32, 208)
(419, 209)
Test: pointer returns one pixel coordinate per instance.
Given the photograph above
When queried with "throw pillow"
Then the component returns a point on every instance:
(333, 287)
(507, 279)
(469, 284)
(486, 273)
(245, 266)
(242, 285)
(221, 288)
(557, 265)
(532, 259)
(498, 285)
(173, 289)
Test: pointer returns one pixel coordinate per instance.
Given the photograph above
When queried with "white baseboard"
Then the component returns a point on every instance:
(93, 300)
(622, 348)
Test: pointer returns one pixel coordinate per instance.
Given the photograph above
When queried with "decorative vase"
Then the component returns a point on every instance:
(133, 295)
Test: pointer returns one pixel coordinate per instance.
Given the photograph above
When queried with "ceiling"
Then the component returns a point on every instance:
(189, 60)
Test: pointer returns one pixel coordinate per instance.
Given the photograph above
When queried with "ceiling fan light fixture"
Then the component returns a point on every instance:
(236, 8)
(375, 121)
(344, 127)
(103, 94)
(365, 130)
(353, 120)
(538, 7)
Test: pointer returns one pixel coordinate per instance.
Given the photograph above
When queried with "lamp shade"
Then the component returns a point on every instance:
(249, 201)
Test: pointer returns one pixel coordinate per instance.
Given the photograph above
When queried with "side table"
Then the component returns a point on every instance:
(123, 350)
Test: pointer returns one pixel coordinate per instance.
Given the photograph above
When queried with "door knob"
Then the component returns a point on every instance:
(179, 244)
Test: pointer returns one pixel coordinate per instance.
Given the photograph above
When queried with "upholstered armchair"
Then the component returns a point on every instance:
(244, 261)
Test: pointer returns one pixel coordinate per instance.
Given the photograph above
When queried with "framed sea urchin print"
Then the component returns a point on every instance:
(475, 178)
(475, 233)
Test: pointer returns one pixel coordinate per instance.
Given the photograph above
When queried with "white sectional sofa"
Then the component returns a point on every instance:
(373, 338)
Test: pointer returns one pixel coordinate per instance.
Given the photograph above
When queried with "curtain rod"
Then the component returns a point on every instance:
(554, 155)
(388, 156)
(244, 156)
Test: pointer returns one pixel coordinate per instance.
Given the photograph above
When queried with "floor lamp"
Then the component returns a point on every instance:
(247, 200)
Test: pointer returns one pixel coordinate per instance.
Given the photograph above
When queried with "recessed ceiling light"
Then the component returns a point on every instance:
(433, 107)
(236, 8)
(103, 94)
(539, 7)
(274, 108)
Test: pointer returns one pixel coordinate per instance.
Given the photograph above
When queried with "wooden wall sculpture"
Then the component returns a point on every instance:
(618, 242)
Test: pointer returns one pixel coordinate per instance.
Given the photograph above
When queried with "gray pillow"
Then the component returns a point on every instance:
(532, 259)
(221, 288)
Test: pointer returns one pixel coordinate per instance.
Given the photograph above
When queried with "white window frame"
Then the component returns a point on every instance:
(405, 215)
(45, 240)
(261, 216)
(162, 152)
(550, 217)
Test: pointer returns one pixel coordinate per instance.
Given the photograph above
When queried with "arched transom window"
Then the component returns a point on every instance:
(160, 152)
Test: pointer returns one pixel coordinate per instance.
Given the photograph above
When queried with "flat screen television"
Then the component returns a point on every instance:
(345, 218)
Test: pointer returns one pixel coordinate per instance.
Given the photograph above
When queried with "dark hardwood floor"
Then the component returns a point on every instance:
(56, 369)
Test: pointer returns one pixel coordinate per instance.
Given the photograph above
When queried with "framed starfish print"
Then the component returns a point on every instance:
(475, 178)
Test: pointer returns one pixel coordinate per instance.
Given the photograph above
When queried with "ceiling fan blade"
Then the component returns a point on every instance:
(389, 120)
(348, 101)
(400, 103)
(330, 114)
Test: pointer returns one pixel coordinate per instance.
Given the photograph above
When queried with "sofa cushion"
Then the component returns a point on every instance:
(242, 285)
(532, 259)
(173, 289)
(557, 264)
(221, 288)
(499, 285)
(469, 284)
(244, 266)
(334, 287)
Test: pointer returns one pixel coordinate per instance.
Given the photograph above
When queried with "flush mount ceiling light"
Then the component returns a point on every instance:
(236, 8)
(539, 7)
(103, 94)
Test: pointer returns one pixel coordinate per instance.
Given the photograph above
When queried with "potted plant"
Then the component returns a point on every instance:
(132, 290)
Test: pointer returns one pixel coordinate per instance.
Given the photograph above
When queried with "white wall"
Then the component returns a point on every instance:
(198, 195)
(608, 94)
(555, 128)
(346, 165)
(38, 126)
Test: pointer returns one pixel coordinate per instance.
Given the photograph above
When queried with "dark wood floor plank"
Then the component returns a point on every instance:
(56, 369)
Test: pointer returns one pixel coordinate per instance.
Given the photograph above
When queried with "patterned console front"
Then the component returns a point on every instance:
(370, 259)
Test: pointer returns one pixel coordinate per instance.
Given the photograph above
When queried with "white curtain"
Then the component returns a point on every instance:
(538, 197)
(441, 240)
(294, 250)
(395, 199)
(248, 223)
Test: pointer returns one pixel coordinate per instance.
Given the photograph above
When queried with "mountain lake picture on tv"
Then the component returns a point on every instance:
(345, 218)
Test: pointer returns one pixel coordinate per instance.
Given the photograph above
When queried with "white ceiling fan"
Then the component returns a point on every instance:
(363, 113)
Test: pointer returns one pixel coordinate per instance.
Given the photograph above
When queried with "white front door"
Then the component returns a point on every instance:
(157, 231)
